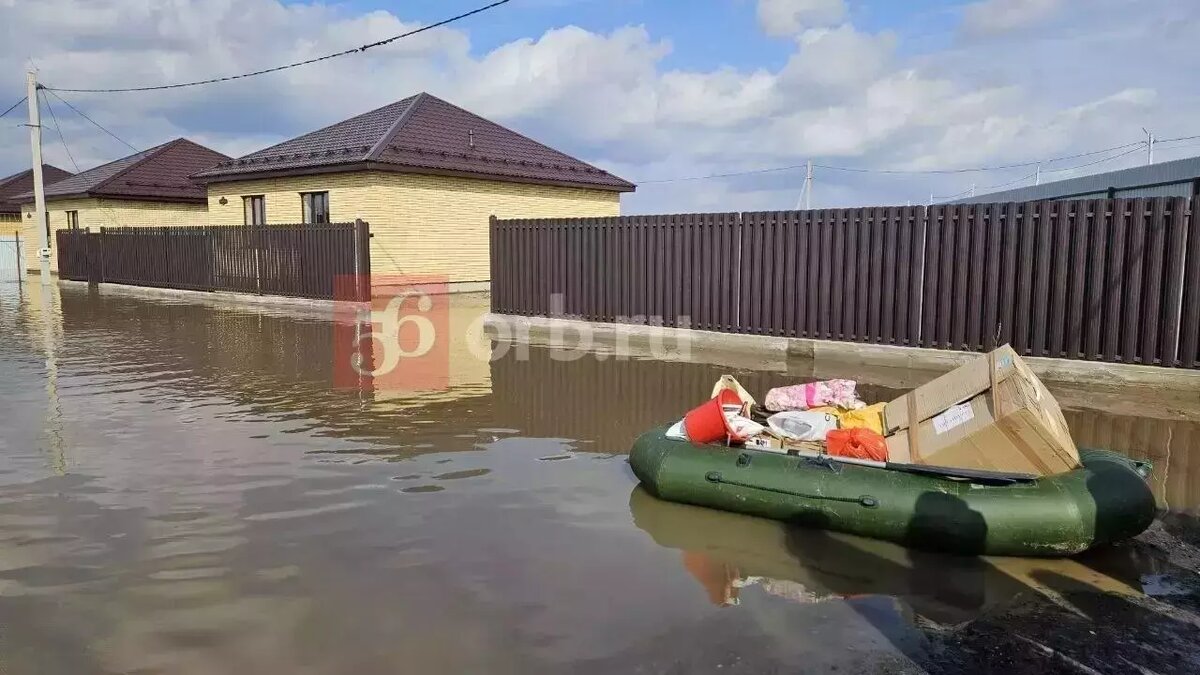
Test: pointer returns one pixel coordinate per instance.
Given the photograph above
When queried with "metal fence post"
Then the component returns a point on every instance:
(362, 257)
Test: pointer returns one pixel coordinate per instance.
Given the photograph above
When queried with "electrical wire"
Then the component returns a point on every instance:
(1022, 179)
(58, 129)
(1099, 161)
(1135, 145)
(81, 114)
(1178, 138)
(725, 175)
(14, 106)
(1025, 178)
(979, 169)
(297, 64)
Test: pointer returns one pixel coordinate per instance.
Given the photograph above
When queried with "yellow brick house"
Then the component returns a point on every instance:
(425, 174)
(148, 188)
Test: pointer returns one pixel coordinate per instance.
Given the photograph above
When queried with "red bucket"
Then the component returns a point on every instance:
(706, 423)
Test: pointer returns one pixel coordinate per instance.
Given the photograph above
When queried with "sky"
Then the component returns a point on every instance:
(661, 92)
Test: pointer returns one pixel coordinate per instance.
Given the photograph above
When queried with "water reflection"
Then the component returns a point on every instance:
(182, 490)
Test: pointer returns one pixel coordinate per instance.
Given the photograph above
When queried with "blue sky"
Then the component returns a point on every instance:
(651, 90)
(705, 34)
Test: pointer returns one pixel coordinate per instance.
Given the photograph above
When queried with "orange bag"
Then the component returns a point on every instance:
(859, 443)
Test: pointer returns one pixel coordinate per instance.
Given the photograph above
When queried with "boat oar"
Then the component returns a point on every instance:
(973, 475)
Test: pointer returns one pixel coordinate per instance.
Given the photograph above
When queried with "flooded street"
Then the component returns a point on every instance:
(183, 490)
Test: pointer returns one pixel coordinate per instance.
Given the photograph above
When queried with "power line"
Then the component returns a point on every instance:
(58, 129)
(98, 126)
(297, 64)
(979, 169)
(792, 167)
(14, 106)
(1099, 161)
(1172, 140)
(1022, 179)
(726, 175)
(1025, 178)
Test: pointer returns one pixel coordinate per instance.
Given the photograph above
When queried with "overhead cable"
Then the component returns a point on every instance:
(979, 169)
(98, 125)
(1172, 140)
(1098, 161)
(297, 64)
(14, 106)
(919, 172)
(726, 175)
(58, 129)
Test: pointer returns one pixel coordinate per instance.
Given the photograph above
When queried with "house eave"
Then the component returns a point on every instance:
(397, 168)
(121, 197)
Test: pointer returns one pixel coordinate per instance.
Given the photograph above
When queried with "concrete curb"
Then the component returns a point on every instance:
(776, 353)
(306, 306)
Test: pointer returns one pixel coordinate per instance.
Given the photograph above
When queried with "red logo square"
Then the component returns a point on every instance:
(398, 341)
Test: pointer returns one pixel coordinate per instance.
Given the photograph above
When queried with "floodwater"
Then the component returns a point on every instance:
(183, 490)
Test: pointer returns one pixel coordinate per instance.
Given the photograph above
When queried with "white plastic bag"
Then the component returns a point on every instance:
(802, 425)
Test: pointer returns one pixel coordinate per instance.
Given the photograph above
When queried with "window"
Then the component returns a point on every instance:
(72, 220)
(315, 206)
(255, 210)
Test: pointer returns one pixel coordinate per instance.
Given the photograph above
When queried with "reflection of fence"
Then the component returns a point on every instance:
(1170, 444)
(295, 260)
(1112, 280)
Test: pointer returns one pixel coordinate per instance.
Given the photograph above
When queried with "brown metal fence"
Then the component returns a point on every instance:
(308, 260)
(1112, 280)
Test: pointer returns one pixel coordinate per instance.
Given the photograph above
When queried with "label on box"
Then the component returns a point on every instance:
(953, 417)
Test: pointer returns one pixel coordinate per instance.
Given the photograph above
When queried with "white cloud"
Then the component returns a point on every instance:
(788, 17)
(844, 95)
(990, 17)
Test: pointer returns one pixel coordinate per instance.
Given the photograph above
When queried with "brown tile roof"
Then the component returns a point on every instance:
(423, 134)
(19, 183)
(161, 173)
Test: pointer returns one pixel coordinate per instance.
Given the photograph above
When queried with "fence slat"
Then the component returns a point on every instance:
(1134, 267)
(1174, 287)
(1189, 338)
(1082, 226)
(1154, 258)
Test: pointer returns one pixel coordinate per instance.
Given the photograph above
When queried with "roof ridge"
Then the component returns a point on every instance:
(145, 154)
(380, 145)
(151, 152)
(560, 153)
(314, 131)
(16, 176)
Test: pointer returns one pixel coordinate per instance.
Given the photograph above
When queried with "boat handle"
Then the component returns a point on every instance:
(866, 501)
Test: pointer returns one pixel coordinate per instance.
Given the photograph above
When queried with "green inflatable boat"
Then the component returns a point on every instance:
(1105, 500)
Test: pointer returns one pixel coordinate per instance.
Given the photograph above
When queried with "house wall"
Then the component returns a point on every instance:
(421, 224)
(97, 213)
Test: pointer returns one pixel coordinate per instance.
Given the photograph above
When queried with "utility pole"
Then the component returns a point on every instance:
(808, 181)
(1037, 177)
(39, 189)
(972, 190)
(805, 200)
(1149, 146)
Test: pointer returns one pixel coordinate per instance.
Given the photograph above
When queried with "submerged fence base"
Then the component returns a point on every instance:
(1099, 280)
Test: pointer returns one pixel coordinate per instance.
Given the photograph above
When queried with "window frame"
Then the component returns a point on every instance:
(307, 210)
(72, 219)
(259, 210)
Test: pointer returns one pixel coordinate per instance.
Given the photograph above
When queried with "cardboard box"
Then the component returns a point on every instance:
(991, 414)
